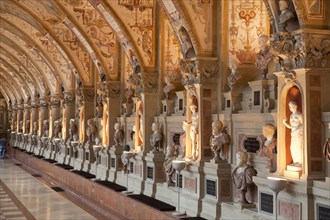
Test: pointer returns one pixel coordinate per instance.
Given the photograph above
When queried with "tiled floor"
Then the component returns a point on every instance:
(8, 209)
(35, 197)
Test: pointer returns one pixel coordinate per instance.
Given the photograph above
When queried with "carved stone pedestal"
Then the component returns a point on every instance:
(88, 157)
(78, 162)
(116, 164)
(168, 107)
(63, 153)
(73, 155)
(232, 101)
(217, 185)
(104, 166)
(25, 141)
(56, 148)
(262, 95)
(137, 177)
(293, 172)
(154, 171)
(180, 103)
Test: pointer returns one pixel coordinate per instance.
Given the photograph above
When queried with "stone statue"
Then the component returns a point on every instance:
(141, 125)
(268, 145)
(168, 168)
(20, 127)
(296, 126)
(156, 138)
(124, 160)
(91, 130)
(242, 176)
(194, 130)
(326, 148)
(73, 130)
(118, 136)
(27, 126)
(219, 141)
(57, 129)
(129, 94)
(234, 62)
(168, 88)
(182, 151)
(35, 128)
(186, 44)
(285, 16)
(45, 128)
(264, 56)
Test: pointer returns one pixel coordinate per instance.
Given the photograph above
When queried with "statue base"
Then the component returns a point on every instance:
(293, 172)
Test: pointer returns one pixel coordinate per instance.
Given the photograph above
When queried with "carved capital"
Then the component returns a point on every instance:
(301, 50)
(198, 71)
(35, 103)
(44, 102)
(55, 100)
(149, 83)
(69, 98)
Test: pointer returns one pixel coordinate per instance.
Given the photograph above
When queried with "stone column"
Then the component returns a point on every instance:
(34, 112)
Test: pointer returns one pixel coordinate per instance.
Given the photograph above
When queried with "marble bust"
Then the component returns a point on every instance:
(242, 176)
(57, 129)
(296, 127)
(268, 145)
(73, 130)
(45, 128)
(118, 136)
(264, 56)
(91, 130)
(285, 15)
(157, 137)
(35, 128)
(168, 88)
(168, 168)
(219, 141)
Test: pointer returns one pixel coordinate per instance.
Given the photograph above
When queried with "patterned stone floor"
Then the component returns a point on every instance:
(24, 196)
(8, 209)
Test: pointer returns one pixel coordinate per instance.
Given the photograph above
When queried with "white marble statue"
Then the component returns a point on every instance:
(219, 141)
(268, 145)
(194, 130)
(242, 176)
(91, 130)
(296, 126)
(157, 137)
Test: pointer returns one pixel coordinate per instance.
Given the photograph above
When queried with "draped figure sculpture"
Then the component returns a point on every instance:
(219, 141)
(326, 147)
(268, 145)
(242, 176)
(296, 126)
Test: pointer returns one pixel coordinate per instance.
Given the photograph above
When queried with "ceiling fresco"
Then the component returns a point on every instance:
(49, 44)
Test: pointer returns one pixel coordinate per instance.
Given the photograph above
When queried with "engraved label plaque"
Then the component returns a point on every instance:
(251, 144)
(150, 172)
(266, 202)
(113, 162)
(211, 188)
(323, 212)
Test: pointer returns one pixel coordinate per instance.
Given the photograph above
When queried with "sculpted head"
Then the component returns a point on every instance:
(155, 126)
(283, 4)
(241, 158)
(293, 106)
(263, 40)
(117, 126)
(268, 130)
(216, 127)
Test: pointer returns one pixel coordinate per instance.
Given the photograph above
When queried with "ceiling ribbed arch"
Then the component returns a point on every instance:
(29, 60)
(6, 93)
(22, 79)
(23, 68)
(44, 65)
(12, 86)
